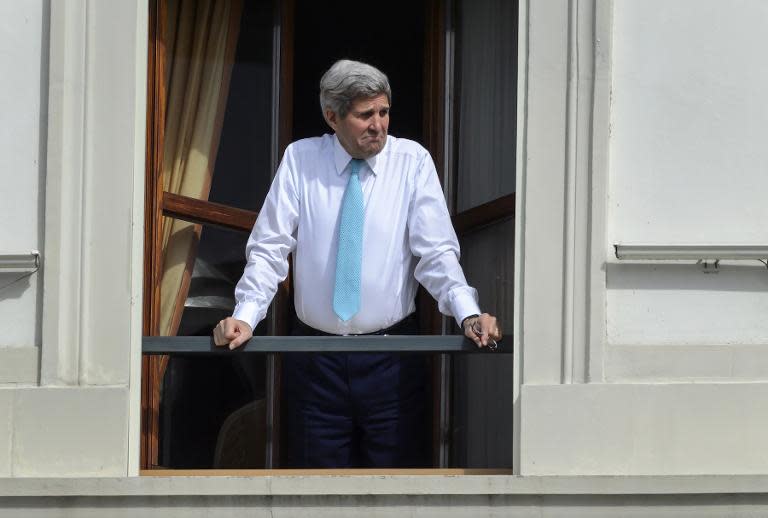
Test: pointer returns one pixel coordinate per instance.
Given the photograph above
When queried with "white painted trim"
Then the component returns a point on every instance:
(64, 194)
(596, 286)
(519, 276)
(94, 265)
(541, 193)
(305, 485)
(569, 305)
(655, 252)
(561, 191)
(586, 176)
(19, 262)
(19, 364)
(579, 127)
(137, 238)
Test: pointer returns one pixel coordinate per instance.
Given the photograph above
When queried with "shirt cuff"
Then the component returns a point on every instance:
(462, 303)
(249, 312)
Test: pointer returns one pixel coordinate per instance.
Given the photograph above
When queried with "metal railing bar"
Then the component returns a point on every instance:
(277, 344)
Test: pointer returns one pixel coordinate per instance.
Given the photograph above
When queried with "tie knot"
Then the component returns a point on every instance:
(355, 164)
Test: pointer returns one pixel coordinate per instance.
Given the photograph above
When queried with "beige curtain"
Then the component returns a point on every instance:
(200, 48)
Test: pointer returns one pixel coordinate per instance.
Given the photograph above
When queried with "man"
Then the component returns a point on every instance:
(365, 216)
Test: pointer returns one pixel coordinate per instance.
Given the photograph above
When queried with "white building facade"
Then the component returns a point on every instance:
(641, 385)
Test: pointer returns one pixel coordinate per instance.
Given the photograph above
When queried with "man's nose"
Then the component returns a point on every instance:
(375, 125)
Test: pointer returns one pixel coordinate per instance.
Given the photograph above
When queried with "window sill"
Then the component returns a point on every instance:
(279, 482)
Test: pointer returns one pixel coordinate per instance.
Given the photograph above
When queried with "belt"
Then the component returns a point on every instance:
(408, 325)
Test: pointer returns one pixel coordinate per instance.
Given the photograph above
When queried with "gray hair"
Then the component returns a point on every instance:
(348, 80)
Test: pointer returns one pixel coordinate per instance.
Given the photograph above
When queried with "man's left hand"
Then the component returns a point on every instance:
(482, 329)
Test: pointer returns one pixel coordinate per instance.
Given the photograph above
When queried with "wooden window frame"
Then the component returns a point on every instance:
(161, 205)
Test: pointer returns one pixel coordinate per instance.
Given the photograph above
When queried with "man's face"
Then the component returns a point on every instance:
(363, 132)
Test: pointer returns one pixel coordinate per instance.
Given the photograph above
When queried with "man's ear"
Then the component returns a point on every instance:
(331, 118)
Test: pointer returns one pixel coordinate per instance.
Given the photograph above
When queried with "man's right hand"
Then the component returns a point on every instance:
(232, 332)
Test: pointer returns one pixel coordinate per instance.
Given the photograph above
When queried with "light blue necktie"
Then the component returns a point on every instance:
(349, 258)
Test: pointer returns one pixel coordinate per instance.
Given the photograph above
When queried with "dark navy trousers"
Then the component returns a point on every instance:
(344, 410)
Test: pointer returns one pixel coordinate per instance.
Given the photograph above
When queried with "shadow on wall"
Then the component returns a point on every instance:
(727, 276)
(13, 285)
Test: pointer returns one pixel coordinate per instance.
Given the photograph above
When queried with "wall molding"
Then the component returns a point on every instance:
(563, 184)
(596, 284)
(62, 293)
(94, 208)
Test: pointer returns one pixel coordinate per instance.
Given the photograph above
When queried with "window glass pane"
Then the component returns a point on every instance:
(201, 266)
(486, 87)
(213, 412)
(216, 146)
(212, 409)
(243, 169)
(482, 411)
(217, 142)
(218, 266)
(487, 257)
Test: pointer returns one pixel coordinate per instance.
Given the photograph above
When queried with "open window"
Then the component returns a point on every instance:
(230, 85)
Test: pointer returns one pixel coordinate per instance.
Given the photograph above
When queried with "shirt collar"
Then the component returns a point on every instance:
(341, 158)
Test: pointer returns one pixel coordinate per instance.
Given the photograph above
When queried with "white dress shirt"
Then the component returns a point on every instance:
(407, 237)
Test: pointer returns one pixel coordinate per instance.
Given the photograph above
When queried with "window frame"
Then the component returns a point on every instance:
(160, 205)
(440, 112)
